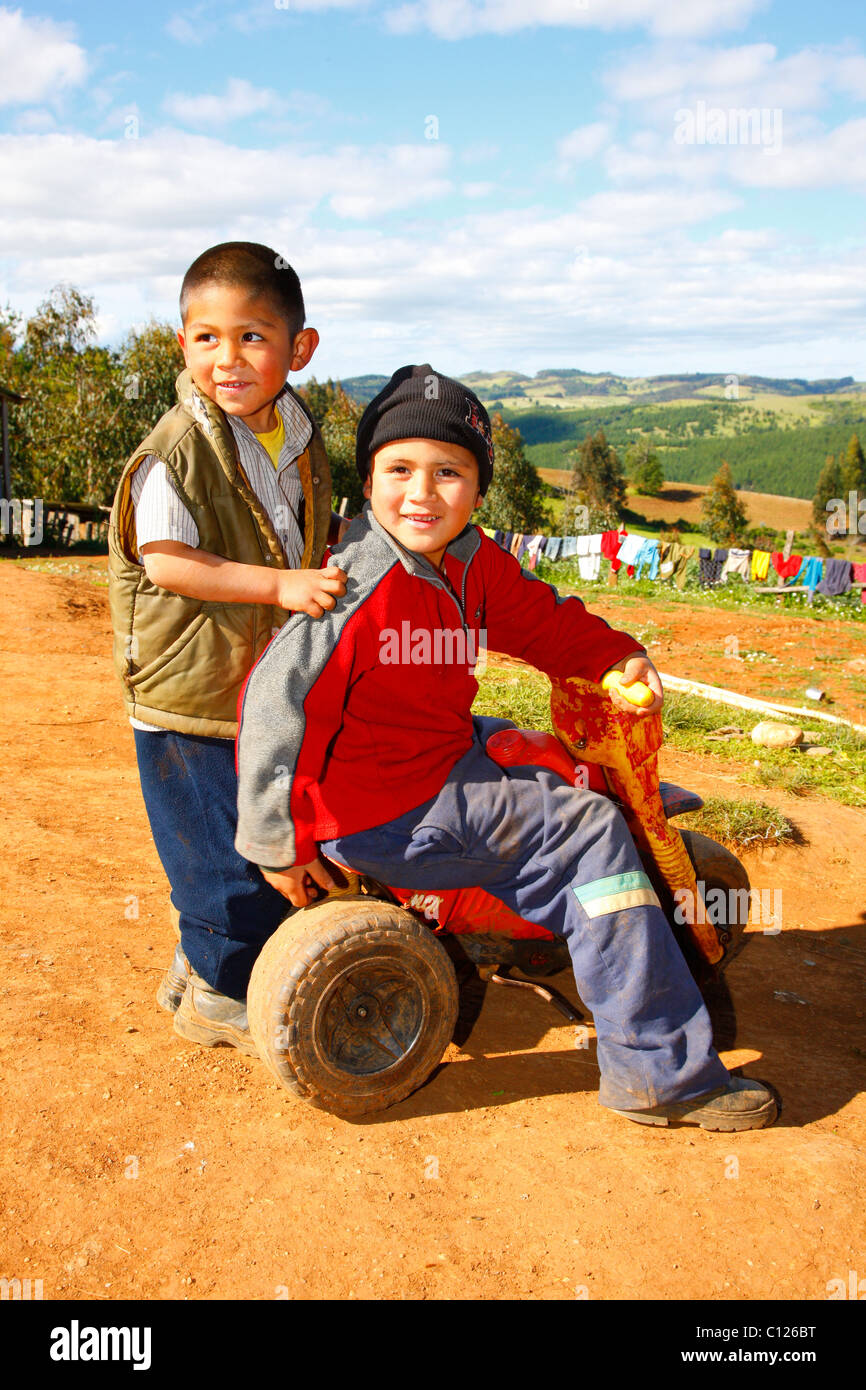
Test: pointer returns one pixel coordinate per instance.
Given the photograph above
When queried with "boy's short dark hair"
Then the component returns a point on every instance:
(248, 265)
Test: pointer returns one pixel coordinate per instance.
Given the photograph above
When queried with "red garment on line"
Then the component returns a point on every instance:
(786, 568)
(610, 544)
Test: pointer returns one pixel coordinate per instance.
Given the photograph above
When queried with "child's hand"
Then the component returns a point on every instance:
(311, 591)
(637, 668)
(299, 884)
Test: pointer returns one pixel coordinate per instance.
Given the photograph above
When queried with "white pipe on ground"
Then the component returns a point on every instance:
(730, 697)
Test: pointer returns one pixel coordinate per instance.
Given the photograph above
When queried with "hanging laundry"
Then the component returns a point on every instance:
(553, 547)
(711, 568)
(499, 537)
(629, 549)
(679, 556)
(535, 548)
(786, 569)
(811, 572)
(859, 573)
(569, 547)
(760, 564)
(589, 566)
(610, 542)
(583, 545)
(837, 578)
(647, 558)
(506, 541)
(595, 544)
(738, 562)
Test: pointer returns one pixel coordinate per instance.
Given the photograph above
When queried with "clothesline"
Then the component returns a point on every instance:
(669, 560)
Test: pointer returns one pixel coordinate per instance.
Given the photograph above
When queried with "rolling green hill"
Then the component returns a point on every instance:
(775, 434)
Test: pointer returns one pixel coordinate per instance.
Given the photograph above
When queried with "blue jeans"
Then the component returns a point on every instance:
(227, 910)
(564, 859)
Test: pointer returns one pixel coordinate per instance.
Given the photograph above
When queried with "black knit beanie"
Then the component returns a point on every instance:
(419, 403)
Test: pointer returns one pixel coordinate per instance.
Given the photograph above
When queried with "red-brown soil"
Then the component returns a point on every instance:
(136, 1165)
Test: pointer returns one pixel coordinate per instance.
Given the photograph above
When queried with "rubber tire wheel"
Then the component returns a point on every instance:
(324, 967)
(718, 867)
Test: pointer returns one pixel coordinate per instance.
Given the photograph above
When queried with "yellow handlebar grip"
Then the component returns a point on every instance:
(637, 694)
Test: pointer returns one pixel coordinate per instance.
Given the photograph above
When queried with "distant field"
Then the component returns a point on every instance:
(684, 500)
(774, 433)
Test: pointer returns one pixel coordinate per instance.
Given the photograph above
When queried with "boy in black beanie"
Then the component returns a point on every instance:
(357, 738)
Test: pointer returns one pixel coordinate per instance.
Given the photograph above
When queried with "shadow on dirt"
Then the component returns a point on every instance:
(795, 998)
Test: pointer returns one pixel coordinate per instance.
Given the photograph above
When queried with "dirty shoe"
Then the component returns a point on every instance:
(208, 1017)
(173, 982)
(742, 1104)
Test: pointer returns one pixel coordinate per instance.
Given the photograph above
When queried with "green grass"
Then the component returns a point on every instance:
(64, 566)
(740, 824)
(688, 721)
(523, 697)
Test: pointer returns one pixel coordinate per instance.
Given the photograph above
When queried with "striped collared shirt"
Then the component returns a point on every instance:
(160, 515)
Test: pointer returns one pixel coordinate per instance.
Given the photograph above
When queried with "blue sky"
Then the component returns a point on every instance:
(643, 186)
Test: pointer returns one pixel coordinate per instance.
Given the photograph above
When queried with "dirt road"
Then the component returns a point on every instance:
(135, 1165)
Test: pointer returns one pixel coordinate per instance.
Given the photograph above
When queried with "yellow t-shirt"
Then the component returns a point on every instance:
(274, 440)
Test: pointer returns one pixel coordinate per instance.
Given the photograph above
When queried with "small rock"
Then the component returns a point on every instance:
(785, 996)
(816, 750)
(770, 734)
(726, 731)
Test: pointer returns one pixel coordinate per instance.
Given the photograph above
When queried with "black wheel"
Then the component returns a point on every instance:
(351, 1004)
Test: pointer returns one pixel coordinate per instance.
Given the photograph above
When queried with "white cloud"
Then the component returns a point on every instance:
(180, 28)
(747, 75)
(479, 152)
(753, 115)
(637, 280)
(792, 156)
(76, 199)
(619, 283)
(834, 160)
(37, 57)
(316, 5)
(583, 143)
(457, 19)
(34, 119)
(240, 99)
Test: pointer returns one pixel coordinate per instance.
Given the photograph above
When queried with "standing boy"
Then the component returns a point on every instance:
(382, 766)
(220, 519)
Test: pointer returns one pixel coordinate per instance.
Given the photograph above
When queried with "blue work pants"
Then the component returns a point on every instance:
(563, 858)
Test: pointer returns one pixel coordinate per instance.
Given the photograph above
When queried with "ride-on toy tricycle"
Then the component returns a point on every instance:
(354, 999)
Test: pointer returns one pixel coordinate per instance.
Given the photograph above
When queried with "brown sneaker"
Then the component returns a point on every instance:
(173, 982)
(208, 1017)
(742, 1104)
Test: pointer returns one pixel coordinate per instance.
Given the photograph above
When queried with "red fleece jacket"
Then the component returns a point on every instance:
(350, 720)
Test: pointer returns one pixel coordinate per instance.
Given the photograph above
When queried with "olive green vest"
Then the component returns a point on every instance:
(183, 661)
